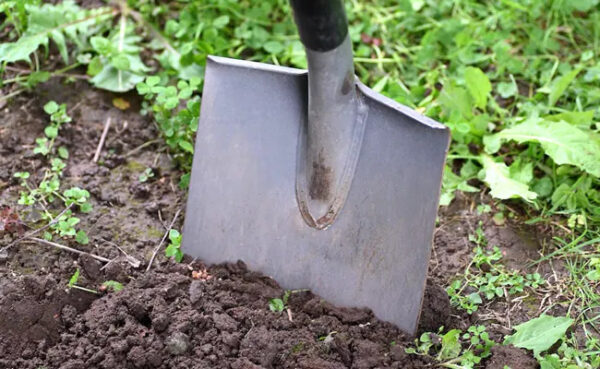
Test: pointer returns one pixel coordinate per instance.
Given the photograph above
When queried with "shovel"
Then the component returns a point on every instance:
(313, 178)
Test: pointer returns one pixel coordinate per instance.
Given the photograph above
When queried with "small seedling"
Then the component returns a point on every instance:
(454, 349)
(499, 219)
(26, 197)
(483, 209)
(146, 174)
(74, 278)
(73, 283)
(572, 355)
(495, 282)
(78, 196)
(277, 305)
(176, 112)
(329, 337)
(64, 226)
(479, 237)
(593, 273)
(174, 248)
(113, 286)
(49, 190)
(280, 304)
(576, 221)
(58, 116)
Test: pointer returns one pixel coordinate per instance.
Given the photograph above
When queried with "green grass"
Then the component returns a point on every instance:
(517, 82)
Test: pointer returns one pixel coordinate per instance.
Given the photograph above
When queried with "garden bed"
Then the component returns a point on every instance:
(174, 316)
(99, 105)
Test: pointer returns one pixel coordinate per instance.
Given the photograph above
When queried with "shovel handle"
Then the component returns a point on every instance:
(322, 24)
(335, 116)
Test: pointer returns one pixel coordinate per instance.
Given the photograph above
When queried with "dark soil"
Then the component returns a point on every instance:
(512, 357)
(167, 318)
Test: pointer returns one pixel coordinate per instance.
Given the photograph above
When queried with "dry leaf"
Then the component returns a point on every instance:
(121, 103)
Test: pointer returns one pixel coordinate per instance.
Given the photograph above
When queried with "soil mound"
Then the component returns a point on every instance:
(169, 319)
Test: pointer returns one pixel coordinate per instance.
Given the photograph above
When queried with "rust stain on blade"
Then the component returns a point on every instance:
(321, 180)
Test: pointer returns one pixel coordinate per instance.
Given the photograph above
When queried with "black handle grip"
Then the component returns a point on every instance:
(322, 24)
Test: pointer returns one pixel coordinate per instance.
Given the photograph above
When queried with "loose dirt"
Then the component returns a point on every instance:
(167, 319)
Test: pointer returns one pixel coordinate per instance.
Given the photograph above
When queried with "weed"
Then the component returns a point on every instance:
(279, 304)
(146, 174)
(113, 286)
(594, 271)
(483, 209)
(73, 283)
(174, 248)
(48, 190)
(58, 116)
(455, 349)
(569, 356)
(539, 334)
(74, 278)
(177, 124)
(297, 348)
(496, 282)
(117, 65)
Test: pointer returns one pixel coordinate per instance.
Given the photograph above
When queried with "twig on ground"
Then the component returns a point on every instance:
(160, 219)
(102, 138)
(128, 258)
(57, 245)
(249, 330)
(36, 231)
(162, 240)
(72, 109)
(12, 94)
(508, 310)
(84, 289)
(192, 263)
(145, 144)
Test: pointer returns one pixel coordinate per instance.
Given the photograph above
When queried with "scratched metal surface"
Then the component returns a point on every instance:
(242, 202)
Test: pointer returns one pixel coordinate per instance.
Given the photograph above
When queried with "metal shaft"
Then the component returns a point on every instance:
(331, 139)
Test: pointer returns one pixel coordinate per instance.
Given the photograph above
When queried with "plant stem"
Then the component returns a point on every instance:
(142, 146)
(16, 79)
(84, 289)
(466, 157)
(58, 73)
(59, 246)
(12, 94)
(66, 69)
(162, 240)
